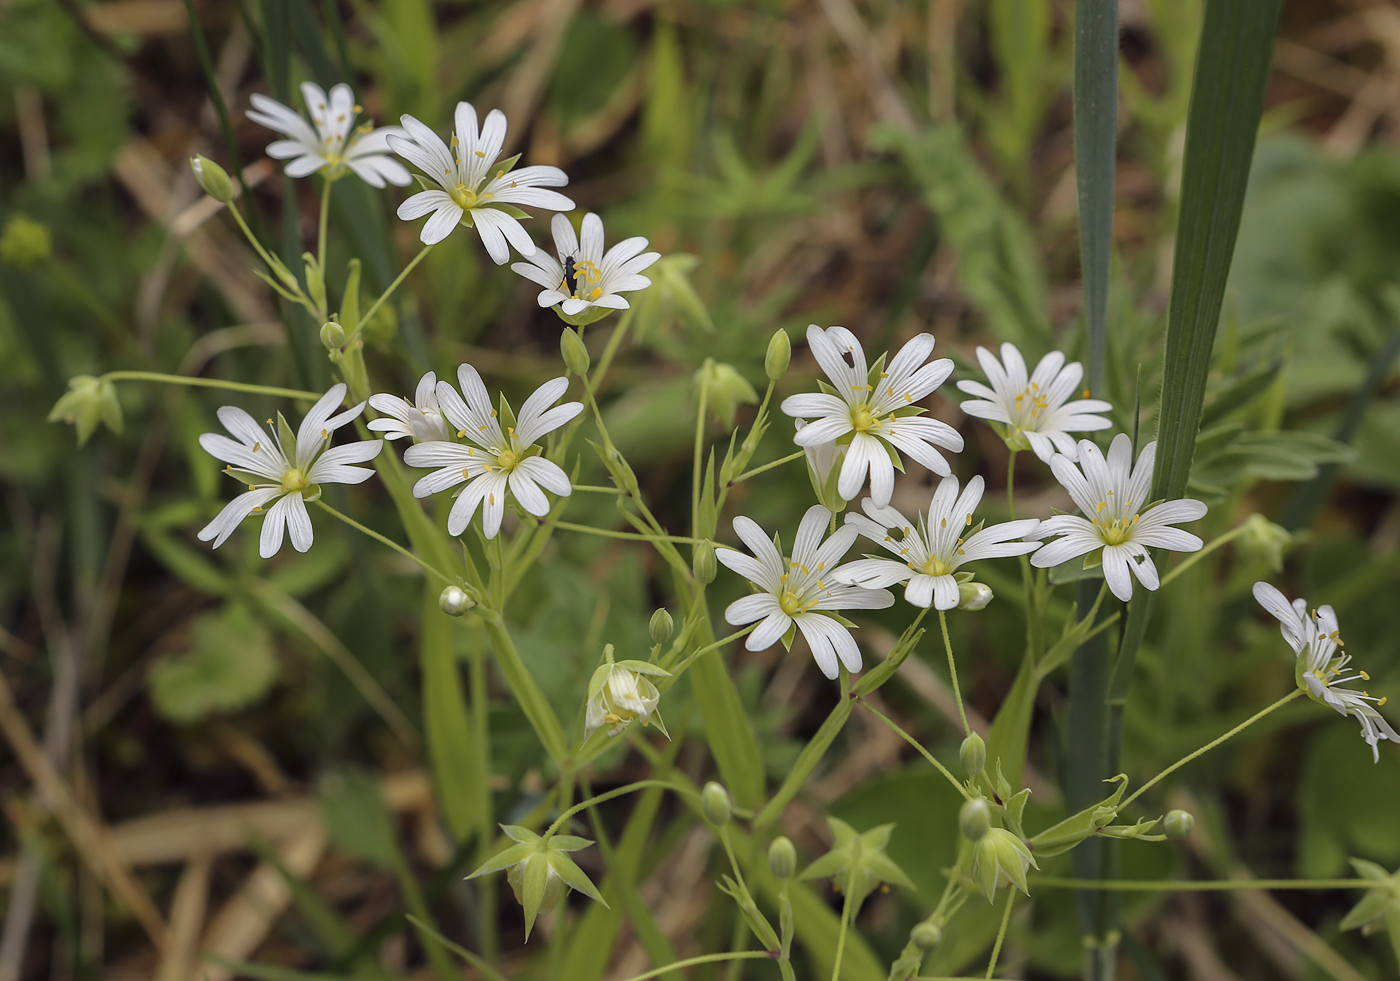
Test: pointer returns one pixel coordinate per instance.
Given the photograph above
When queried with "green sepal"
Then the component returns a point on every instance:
(645, 667)
(534, 879)
(573, 875)
(513, 855)
(754, 917)
(1061, 837)
(521, 834)
(288, 439)
(788, 636)
(599, 679)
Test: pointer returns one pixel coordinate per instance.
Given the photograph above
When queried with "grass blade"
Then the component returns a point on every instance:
(1095, 153)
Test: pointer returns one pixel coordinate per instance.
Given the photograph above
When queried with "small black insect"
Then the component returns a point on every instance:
(570, 275)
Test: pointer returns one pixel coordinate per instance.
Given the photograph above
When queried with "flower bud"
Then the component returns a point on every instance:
(714, 801)
(703, 564)
(1264, 541)
(1000, 859)
(782, 858)
(213, 179)
(974, 595)
(975, 818)
(973, 755)
(661, 626)
(1178, 823)
(87, 402)
(455, 602)
(24, 243)
(775, 362)
(926, 936)
(576, 357)
(332, 336)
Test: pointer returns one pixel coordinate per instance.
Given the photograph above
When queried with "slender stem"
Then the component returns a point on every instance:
(1011, 486)
(610, 351)
(845, 925)
(746, 955)
(1209, 885)
(248, 234)
(894, 726)
(387, 541)
(609, 795)
(953, 672)
(157, 376)
(693, 655)
(697, 471)
(1211, 745)
(1195, 557)
(322, 223)
(1001, 932)
(374, 307)
(595, 489)
(630, 535)
(767, 466)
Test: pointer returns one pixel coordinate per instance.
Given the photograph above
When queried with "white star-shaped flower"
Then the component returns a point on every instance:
(1033, 412)
(420, 419)
(932, 550)
(1112, 493)
(498, 461)
(254, 454)
(470, 194)
(802, 591)
(1322, 665)
(584, 277)
(336, 143)
(869, 411)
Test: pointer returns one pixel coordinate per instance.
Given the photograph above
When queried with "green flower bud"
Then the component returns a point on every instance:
(926, 936)
(975, 818)
(212, 178)
(724, 389)
(1178, 823)
(974, 595)
(999, 859)
(332, 336)
(576, 357)
(1264, 541)
(455, 602)
(703, 564)
(87, 402)
(714, 801)
(661, 626)
(24, 243)
(782, 858)
(775, 362)
(973, 755)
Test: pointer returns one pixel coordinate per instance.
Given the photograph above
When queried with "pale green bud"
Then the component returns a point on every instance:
(775, 362)
(973, 755)
(998, 859)
(714, 801)
(975, 818)
(213, 179)
(24, 243)
(87, 402)
(576, 357)
(1178, 823)
(661, 626)
(1262, 540)
(926, 936)
(332, 336)
(703, 564)
(782, 858)
(724, 389)
(455, 602)
(974, 595)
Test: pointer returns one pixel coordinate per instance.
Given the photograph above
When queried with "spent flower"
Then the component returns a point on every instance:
(583, 281)
(1000, 858)
(88, 401)
(539, 870)
(421, 419)
(331, 143)
(857, 862)
(621, 693)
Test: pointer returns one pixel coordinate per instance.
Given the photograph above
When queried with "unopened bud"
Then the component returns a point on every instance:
(926, 936)
(332, 336)
(661, 626)
(24, 243)
(973, 755)
(1178, 823)
(455, 602)
(702, 563)
(714, 801)
(576, 357)
(775, 362)
(213, 179)
(975, 818)
(782, 858)
(974, 595)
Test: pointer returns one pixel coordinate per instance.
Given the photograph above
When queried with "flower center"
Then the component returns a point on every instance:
(1030, 403)
(794, 603)
(936, 567)
(507, 461)
(293, 480)
(863, 419)
(467, 198)
(1116, 531)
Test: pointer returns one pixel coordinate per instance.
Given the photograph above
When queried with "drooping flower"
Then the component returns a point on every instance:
(540, 871)
(1000, 859)
(468, 193)
(1033, 412)
(1322, 666)
(498, 461)
(583, 277)
(335, 144)
(420, 419)
(868, 409)
(932, 550)
(801, 592)
(619, 693)
(254, 455)
(1112, 493)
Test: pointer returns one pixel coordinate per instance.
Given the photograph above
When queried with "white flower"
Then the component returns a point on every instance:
(822, 460)
(583, 276)
(619, 694)
(420, 419)
(1322, 664)
(930, 555)
(335, 143)
(254, 454)
(499, 461)
(1033, 410)
(1113, 492)
(870, 412)
(797, 591)
(469, 194)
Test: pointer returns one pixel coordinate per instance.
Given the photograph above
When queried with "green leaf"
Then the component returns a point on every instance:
(1095, 157)
(1009, 737)
(230, 664)
(457, 761)
(727, 727)
(356, 816)
(183, 562)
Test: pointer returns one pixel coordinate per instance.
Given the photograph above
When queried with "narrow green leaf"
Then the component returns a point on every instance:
(727, 728)
(1095, 144)
(456, 759)
(1009, 737)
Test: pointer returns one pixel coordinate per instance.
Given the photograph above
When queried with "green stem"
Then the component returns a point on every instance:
(1211, 745)
(192, 382)
(628, 535)
(693, 655)
(1011, 486)
(767, 466)
(594, 489)
(747, 955)
(610, 351)
(1001, 932)
(248, 234)
(387, 541)
(321, 224)
(609, 795)
(1210, 885)
(697, 469)
(1195, 557)
(374, 307)
(953, 672)
(845, 925)
(894, 727)
(526, 690)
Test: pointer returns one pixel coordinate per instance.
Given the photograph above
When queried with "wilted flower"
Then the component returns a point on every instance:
(1000, 859)
(857, 862)
(724, 390)
(420, 419)
(1380, 907)
(87, 402)
(540, 871)
(335, 144)
(620, 693)
(584, 282)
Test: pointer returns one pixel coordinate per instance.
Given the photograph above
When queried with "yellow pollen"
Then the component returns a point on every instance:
(480, 154)
(969, 520)
(325, 434)
(461, 433)
(597, 292)
(1382, 700)
(257, 446)
(1098, 508)
(466, 473)
(251, 487)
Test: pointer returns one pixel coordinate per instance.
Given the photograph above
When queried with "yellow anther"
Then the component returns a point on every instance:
(325, 434)
(480, 154)
(359, 108)
(467, 474)
(1098, 508)
(1365, 676)
(257, 446)
(969, 519)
